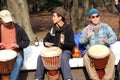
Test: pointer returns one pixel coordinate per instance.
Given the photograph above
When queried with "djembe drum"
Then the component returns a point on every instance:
(7, 60)
(99, 55)
(51, 61)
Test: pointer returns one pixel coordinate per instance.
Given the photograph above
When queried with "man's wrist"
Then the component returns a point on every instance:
(87, 37)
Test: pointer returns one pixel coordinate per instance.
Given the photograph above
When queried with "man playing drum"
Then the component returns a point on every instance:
(98, 33)
(12, 37)
(60, 35)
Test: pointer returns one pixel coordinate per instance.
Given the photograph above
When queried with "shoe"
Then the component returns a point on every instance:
(36, 79)
(69, 79)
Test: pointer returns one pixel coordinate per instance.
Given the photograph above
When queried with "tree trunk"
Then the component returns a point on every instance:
(109, 5)
(72, 9)
(2, 4)
(19, 11)
(83, 19)
(75, 16)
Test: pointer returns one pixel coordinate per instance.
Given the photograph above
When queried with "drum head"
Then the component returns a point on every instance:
(98, 51)
(51, 52)
(6, 55)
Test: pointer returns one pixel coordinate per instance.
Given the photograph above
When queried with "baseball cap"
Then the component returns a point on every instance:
(6, 16)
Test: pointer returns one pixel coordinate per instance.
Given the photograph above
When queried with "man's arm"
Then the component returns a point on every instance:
(117, 5)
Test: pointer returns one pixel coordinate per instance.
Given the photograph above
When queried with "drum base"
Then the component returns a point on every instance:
(100, 73)
(53, 75)
(5, 77)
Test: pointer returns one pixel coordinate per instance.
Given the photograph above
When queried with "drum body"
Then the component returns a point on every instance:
(99, 63)
(51, 60)
(7, 60)
(51, 57)
(99, 55)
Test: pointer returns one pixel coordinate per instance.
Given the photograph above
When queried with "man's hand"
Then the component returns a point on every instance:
(62, 38)
(14, 46)
(116, 2)
(89, 33)
(105, 41)
(2, 46)
(48, 44)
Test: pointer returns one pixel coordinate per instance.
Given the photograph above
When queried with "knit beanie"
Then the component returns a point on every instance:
(60, 11)
(93, 11)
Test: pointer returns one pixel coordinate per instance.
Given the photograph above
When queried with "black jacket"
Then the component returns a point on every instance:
(69, 38)
(21, 37)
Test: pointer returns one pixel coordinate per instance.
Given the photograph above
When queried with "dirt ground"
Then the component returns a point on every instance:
(41, 21)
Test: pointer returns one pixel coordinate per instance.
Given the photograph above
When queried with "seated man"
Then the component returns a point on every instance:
(60, 35)
(12, 37)
(98, 33)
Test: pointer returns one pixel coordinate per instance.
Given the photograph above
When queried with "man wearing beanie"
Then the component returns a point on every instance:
(98, 33)
(60, 35)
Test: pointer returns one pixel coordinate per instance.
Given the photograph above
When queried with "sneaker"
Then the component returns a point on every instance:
(69, 79)
(36, 79)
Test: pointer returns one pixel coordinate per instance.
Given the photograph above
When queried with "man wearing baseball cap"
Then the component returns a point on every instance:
(12, 37)
(6, 16)
(98, 33)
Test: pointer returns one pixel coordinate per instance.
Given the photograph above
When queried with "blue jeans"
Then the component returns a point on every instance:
(17, 67)
(65, 67)
(40, 69)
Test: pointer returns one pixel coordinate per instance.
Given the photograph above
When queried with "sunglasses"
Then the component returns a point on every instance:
(95, 16)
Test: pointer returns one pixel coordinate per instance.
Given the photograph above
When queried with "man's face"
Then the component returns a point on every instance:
(95, 19)
(56, 18)
(6, 24)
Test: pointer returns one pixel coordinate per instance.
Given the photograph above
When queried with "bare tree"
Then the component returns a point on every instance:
(109, 4)
(19, 10)
(2, 4)
(72, 7)
(83, 19)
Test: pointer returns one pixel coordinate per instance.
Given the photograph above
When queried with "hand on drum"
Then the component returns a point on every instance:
(48, 44)
(2, 46)
(14, 46)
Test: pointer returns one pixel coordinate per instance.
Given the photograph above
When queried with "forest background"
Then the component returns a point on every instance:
(35, 15)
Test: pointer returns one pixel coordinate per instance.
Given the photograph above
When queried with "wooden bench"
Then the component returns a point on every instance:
(32, 52)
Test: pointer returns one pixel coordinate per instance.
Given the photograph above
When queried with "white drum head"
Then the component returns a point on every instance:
(6, 55)
(98, 51)
(50, 52)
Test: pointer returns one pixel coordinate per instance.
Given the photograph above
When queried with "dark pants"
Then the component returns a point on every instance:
(118, 72)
